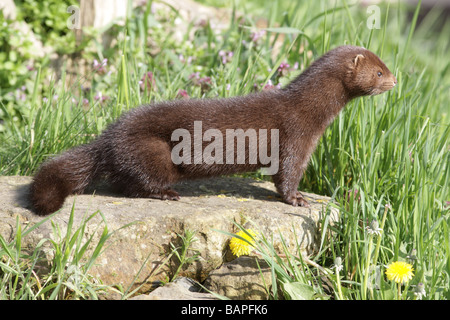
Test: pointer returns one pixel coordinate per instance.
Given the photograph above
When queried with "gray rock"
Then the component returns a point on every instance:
(206, 206)
(245, 278)
(181, 289)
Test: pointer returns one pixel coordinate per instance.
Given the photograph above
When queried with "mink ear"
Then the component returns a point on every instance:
(357, 59)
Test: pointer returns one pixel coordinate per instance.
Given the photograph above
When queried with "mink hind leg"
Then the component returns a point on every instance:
(150, 173)
(146, 190)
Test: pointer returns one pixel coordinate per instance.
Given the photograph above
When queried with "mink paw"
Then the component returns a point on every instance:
(170, 195)
(167, 194)
(297, 200)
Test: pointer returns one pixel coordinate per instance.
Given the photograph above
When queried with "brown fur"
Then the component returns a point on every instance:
(134, 153)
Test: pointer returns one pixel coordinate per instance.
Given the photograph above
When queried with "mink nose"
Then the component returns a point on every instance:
(395, 81)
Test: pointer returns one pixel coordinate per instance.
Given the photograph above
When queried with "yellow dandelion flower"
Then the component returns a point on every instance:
(240, 247)
(399, 272)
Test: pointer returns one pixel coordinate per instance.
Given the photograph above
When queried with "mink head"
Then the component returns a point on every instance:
(366, 74)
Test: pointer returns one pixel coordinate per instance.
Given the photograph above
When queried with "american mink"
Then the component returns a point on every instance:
(135, 154)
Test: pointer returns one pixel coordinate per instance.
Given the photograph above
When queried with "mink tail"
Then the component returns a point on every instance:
(59, 177)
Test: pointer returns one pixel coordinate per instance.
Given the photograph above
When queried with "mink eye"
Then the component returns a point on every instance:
(380, 74)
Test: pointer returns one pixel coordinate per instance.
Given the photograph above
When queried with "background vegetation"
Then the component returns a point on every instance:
(384, 156)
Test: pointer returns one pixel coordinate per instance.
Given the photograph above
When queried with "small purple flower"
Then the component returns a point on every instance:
(184, 60)
(203, 23)
(283, 69)
(100, 67)
(148, 82)
(255, 36)
(203, 82)
(269, 85)
(195, 75)
(20, 94)
(100, 97)
(226, 56)
(353, 194)
(182, 94)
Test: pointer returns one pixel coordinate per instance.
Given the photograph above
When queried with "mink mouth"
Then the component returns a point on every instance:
(383, 88)
(386, 87)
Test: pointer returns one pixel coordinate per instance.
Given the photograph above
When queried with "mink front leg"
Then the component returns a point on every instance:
(286, 181)
(167, 194)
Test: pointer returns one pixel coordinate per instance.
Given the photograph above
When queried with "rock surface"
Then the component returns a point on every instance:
(180, 289)
(206, 206)
(241, 279)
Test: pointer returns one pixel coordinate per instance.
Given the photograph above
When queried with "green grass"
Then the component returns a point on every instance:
(24, 275)
(389, 150)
